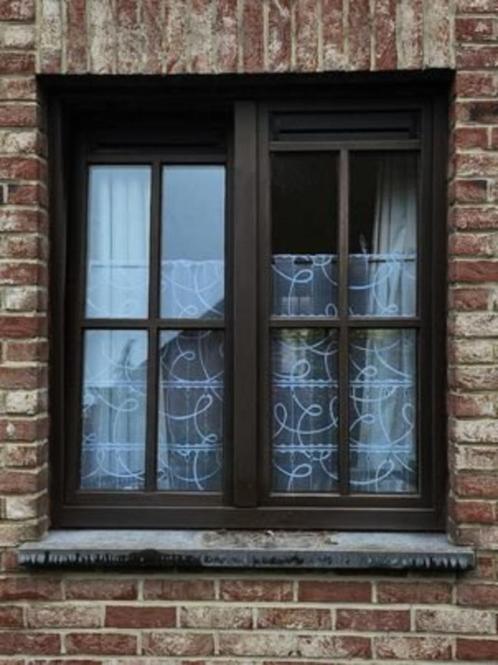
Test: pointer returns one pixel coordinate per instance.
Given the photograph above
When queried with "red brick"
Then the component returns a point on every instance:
(333, 592)
(469, 299)
(252, 37)
(26, 195)
(223, 616)
(17, 63)
(473, 511)
(11, 617)
(473, 29)
(373, 620)
(17, 10)
(26, 351)
(478, 649)
(476, 6)
(475, 84)
(477, 484)
(359, 34)
(413, 592)
(279, 35)
(476, 57)
(481, 112)
(18, 115)
(108, 644)
(385, 56)
(20, 377)
(101, 590)
(473, 271)
(248, 590)
(494, 138)
(23, 430)
(177, 644)
(63, 616)
(125, 616)
(19, 220)
(470, 138)
(178, 589)
(22, 326)
(412, 648)
(294, 618)
(306, 20)
(471, 191)
(478, 595)
(476, 218)
(76, 37)
(21, 482)
(472, 244)
(30, 643)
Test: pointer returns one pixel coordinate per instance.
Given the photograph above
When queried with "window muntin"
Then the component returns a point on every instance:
(338, 490)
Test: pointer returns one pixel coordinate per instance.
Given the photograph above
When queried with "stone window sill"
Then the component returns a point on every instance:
(302, 550)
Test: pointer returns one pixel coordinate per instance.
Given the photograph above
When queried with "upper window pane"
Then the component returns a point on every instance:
(383, 234)
(193, 242)
(118, 242)
(304, 232)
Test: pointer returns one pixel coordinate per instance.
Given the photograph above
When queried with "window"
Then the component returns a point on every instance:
(249, 310)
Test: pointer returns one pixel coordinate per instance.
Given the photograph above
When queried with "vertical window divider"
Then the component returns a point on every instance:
(343, 322)
(151, 442)
(245, 375)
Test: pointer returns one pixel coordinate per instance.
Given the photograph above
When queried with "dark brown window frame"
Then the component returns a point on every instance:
(246, 500)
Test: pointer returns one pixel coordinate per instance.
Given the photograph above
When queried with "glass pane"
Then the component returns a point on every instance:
(118, 242)
(193, 242)
(304, 231)
(304, 410)
(190, 410)
(114, 406)
(383, 234)
(382, 411)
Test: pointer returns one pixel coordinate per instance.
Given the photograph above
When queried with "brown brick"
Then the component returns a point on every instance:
(279, 35)
(306, 20)
(469, 299)
(473, 271)
(18, 115)
(76, 37)
(477, 484)
(294, 618)
(17, 63)
(100, 589)
(22, 482)
(178, 644)
(385, 56)
(478, 595)
(476, 57)
(471, 138)
(216, 617)
(30, 643)
(127, 616)
(179, 589)
(479, 650)
(473, 29)
(476, 218)
(105, 644)
(471, 191)
(252, 36)
(473, 511)
(248, 590)
(11, 617)
(412, 648)
(30, 588)
(153, 19)
(373, 620)
(413, 593)
(334, 55)
(335, 592)
(359, 34)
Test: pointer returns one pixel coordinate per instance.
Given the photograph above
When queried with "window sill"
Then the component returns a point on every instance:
(80, 549)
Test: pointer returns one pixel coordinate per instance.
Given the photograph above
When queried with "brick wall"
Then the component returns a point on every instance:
(90, 618)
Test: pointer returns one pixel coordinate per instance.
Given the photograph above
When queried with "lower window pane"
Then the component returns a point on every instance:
(304, 410)
(190, 427)
(114, 406)
(382, 411)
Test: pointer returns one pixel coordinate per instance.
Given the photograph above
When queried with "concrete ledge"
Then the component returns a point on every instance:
(245, 549)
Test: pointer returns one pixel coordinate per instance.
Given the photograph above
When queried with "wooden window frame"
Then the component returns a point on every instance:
(76, 121)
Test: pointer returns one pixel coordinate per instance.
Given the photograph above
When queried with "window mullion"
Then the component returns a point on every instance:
(153, 351)
(244, 284)
(343, 322)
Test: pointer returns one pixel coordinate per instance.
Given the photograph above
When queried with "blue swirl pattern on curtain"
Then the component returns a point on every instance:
(305, 410)
(191, 410)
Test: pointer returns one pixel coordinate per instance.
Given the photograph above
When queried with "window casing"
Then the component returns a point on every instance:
(252, 150)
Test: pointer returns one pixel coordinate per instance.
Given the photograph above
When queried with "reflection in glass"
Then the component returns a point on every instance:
(190, 410)
(193, 242)
(382, 407)
(383, 234)
(118, 242)
(114, 405)
(304, 230)
(304, 410)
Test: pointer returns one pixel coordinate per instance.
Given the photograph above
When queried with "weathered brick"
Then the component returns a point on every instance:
(412, 648)
(215, 617)
(76, 37)
(249, 590)
(17, 63)
(287, 644)
(178, 589)
(471, 191)
(63, 616)
(476, 57)
(473, 29)
(178, 644)
(476, 458)
(306, 21)
(333, 35)
(475, 84)
(334, 592)
(482, 512)
(128, 616)
(279, 35)
(470, 299)
(252, 37)
(227, 36)
(409, 22)
(413, 592)
(385, 55)
(455, 621)
(100, 589)
(359, 34)
(477, 484)
(294, 618)
(373, 620)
